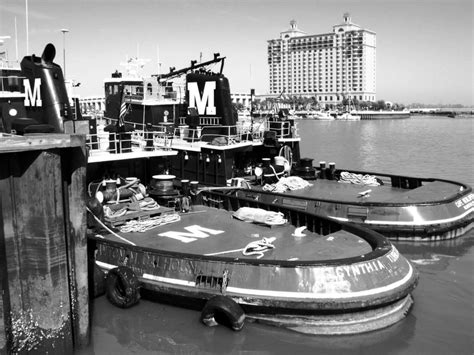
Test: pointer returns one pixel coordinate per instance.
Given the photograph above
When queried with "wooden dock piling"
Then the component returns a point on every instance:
(43, 248)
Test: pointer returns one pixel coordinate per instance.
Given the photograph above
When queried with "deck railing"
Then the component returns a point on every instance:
(168, 136)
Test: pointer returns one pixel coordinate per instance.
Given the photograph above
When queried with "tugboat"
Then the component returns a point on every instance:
(191, 243)
(231, 257)
(27, 105)
(214, 147)
(234, 259)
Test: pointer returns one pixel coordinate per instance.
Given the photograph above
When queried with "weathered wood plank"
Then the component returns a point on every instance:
(5, 320)
(42, 274)
(15, 144)
(42, 194)
(75, 163)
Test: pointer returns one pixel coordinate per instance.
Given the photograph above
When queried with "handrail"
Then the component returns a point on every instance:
(167, 134)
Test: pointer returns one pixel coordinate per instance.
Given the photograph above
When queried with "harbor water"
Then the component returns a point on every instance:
(442, 319)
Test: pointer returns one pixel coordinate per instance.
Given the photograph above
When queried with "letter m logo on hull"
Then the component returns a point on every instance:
(204, 104)
(194, 232)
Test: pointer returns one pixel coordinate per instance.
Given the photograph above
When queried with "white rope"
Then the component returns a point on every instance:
(287, 183)
(259, 215)
(358, 179)
(257, 247)
(149, 223)
(107, 228)
(108, 212)
(148, 204)
(287, 153)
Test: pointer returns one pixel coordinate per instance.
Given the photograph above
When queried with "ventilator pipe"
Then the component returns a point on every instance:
(322, 169)
(330, 173)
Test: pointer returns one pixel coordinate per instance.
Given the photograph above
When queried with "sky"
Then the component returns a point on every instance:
(424, 48)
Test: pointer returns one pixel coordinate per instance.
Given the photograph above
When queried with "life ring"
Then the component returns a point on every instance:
(122, 287)
(222, 309)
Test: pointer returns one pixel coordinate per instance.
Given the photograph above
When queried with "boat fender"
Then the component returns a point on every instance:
(122, 287)
(223, 309)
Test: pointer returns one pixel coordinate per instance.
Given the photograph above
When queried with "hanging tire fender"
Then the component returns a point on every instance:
(226, 307)
(122, 287)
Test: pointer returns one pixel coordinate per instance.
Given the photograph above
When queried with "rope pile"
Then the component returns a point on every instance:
(150, 223)
(258, 247)
(148, 204)
(259, 215)
(287, 183)
(358, 179)
(110, 213)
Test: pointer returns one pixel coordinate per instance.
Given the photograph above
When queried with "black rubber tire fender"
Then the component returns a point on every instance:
(222, 308)
(122, 287)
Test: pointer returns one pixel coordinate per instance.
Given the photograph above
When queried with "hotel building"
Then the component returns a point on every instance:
(328, 66)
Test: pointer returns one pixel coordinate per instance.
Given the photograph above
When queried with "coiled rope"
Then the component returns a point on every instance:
(358, 179)
(287, 183)
(259, 215)
(148, 204)
(257, 247)
(149, 223)
(108, 229)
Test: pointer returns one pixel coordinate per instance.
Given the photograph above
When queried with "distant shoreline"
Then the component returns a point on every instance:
(445, 112)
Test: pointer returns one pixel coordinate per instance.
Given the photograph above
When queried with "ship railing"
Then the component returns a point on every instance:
(136, 138)
(202, 121)
(222, 135)
(283, 129)
(251, 131)
(167, 136)
(126, 142)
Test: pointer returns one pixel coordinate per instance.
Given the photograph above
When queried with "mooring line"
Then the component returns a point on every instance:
(108, 229)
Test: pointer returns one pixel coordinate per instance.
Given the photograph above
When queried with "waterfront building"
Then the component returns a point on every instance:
(241, 98)
(92, 105)
(328, 66)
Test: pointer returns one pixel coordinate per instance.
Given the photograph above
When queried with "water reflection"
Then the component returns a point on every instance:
(156, 328)
(424, 253)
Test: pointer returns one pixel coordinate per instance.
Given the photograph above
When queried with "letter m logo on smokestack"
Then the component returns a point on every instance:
(32, 98)
(204, 104)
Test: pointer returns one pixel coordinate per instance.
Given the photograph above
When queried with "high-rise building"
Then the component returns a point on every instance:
(328, 66)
